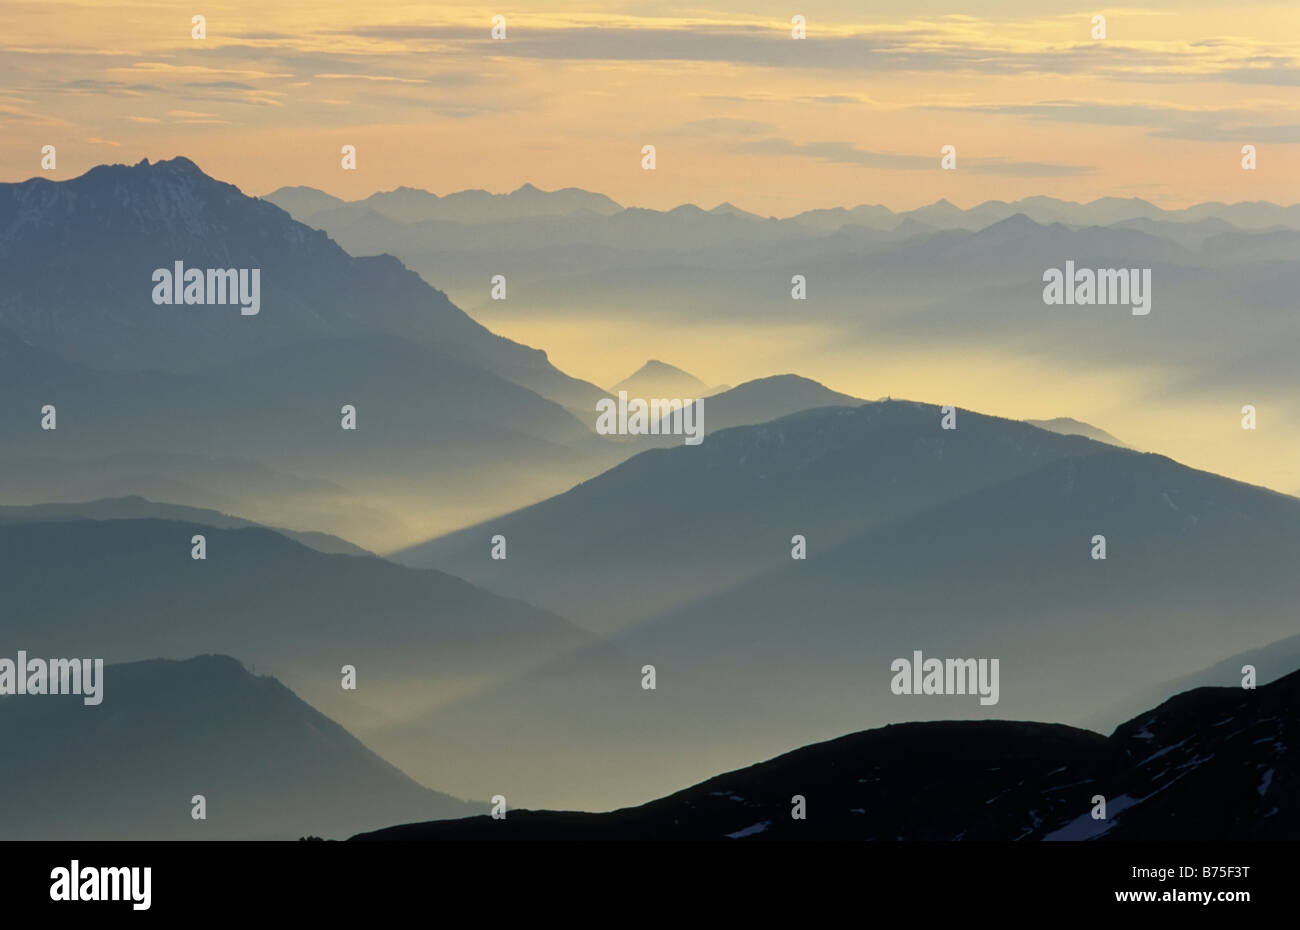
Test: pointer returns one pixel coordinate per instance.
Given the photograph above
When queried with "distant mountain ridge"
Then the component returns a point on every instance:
(765, 399)
(410, 204)
(795, 471)
(126, 589)
(134, 507)
(407, 204)
(148, 215)
(1068, 426)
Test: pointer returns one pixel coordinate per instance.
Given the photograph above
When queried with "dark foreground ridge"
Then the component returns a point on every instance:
(1213, 764)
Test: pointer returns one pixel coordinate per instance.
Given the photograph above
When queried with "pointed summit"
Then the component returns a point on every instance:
(727, 208)
(659, 379)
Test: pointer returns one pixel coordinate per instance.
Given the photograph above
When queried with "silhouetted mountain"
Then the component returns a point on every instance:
(771, 398)
(123, 589)
(434, 391)
(1195, 568)
(300, 202)
(219, 482)
(267, 764)
(981, 780)
(1068, 426)
(138, 508)
(1270, 245)
(1270, 662)
(838, 217)
(883, 286)
(971, 542)
(737, 500)
(1191, 234)
(658, 379)
(410, 205)
(417, 412)
(64, 296)
(733, 210)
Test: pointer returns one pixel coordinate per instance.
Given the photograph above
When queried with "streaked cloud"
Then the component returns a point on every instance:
(849, 154)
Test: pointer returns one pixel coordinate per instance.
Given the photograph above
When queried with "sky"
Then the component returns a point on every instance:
(737, 109)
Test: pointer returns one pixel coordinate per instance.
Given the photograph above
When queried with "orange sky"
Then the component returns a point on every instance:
(738, 110)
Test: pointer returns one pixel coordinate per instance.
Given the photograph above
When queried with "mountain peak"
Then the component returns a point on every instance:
(660, 378)
(654, 366)
(727, 208)
(177, 165)
(1018, 224)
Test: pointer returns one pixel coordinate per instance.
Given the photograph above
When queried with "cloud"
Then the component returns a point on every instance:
(357, 76)
(220, 85)
(835, 98)
(948, 45)
(725, 126)
(1205, 124)
(109, 88)
(846, 153)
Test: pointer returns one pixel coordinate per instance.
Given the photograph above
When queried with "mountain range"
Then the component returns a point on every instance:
(904, 302)
(407, 204)
(125, 589)
(974, 781)
(977, 541)
(79, 332)
(764, 580)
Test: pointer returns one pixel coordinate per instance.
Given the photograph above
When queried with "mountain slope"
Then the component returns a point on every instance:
(772, 398)
(268, 765)
(981, 780)
(973, 542)
(418, 412)
(63, 296)
(736, 501)
(137, 508)
(1068, 426)
(1271, 662)
(124, 589)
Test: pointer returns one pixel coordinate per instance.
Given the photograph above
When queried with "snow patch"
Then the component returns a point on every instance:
(1085, 828)
(750, 831)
